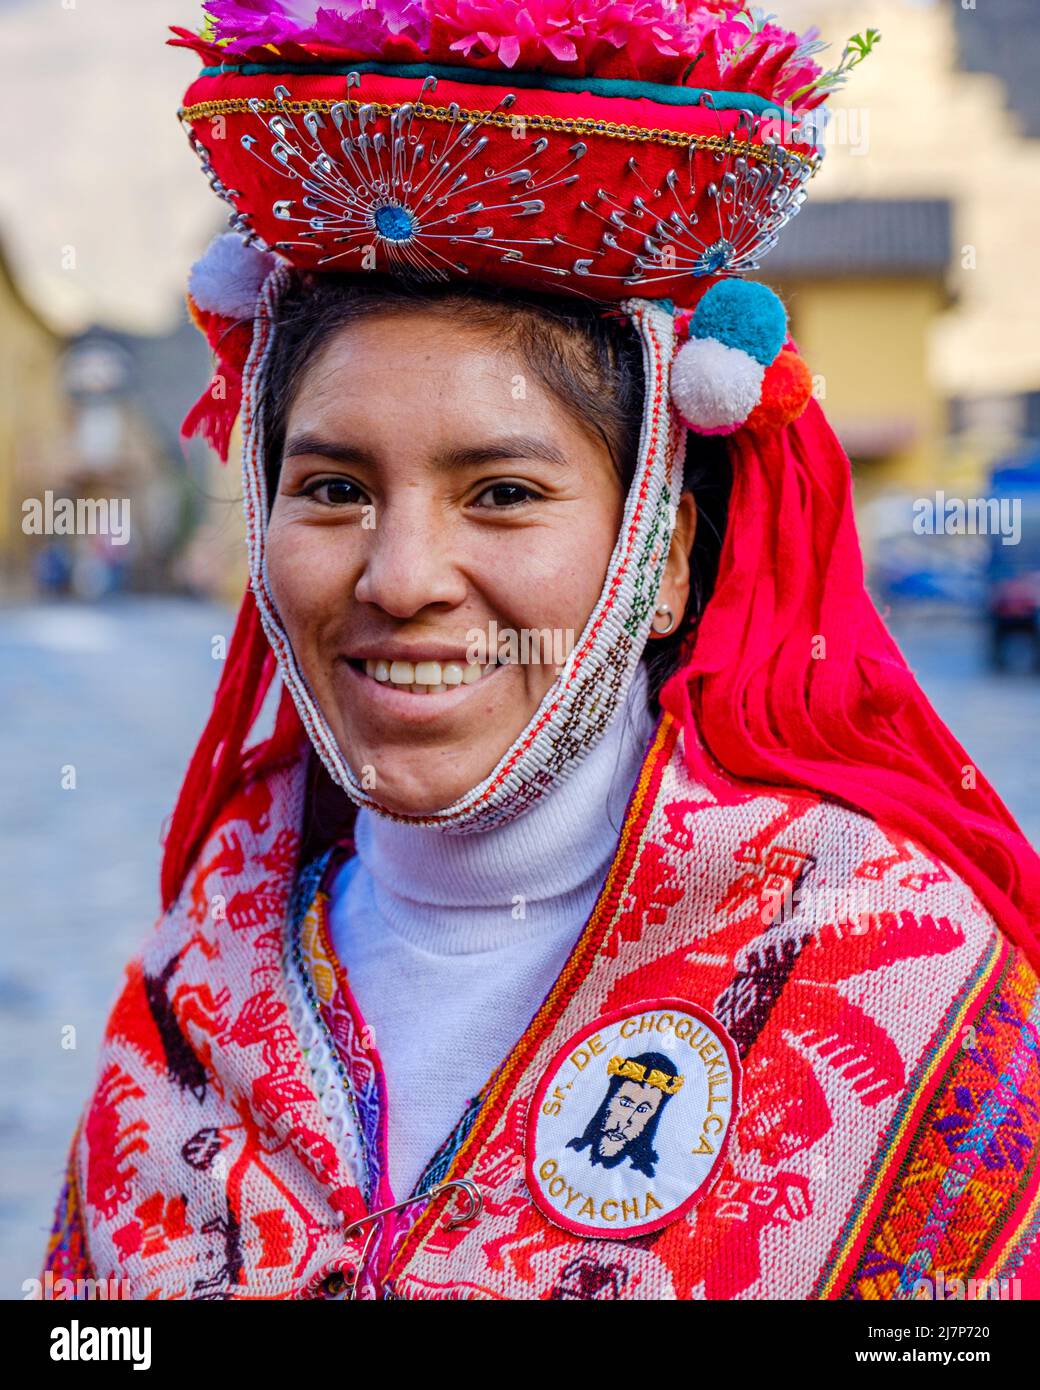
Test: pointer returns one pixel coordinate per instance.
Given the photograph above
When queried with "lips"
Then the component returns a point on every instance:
(390, 690)
(424, 677)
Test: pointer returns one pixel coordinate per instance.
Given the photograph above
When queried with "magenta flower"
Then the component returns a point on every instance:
(359, 26)
(708, 43)
(583, 36)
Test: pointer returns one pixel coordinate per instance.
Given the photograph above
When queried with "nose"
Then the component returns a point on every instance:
(410, 564)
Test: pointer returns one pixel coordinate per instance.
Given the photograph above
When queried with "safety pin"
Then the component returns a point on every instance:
(472, 1191)
(475, 1207)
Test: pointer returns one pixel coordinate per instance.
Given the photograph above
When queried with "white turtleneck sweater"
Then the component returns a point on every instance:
(451, 942)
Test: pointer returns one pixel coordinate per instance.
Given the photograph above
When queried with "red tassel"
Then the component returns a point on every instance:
(217, 764)
(214, 416)
(214, 413)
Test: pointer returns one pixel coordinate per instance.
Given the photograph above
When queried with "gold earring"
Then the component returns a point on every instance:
(663, 611)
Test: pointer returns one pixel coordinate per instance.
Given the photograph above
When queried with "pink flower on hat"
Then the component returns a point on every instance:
(709, 43)
(362, 26)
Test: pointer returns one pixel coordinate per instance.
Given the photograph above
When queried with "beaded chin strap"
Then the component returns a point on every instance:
(595, 677)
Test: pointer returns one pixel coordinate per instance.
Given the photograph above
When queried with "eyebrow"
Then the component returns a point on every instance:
(458, 457)
(300, 444)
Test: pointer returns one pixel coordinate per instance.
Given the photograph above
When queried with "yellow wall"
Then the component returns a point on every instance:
(867, 343)
(32, 418)
(917, 126)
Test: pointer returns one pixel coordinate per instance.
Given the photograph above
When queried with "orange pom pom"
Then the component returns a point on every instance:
(199, 317)
(786, 389)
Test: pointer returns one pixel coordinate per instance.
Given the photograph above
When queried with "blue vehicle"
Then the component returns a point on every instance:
(1013, 569)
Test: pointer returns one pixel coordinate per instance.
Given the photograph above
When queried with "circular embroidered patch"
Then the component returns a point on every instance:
(630, 1122)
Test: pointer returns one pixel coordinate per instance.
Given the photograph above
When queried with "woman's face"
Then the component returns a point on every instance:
(432, 487)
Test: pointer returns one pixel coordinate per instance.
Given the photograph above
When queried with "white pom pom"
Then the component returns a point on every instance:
(715, 387)
(227, 278)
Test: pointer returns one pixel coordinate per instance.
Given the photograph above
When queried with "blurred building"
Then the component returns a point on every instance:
(933, 149)
(865, 280)
(33, 414)
(129, 393)
(1001, 44)
(90, 427)
(1004, 44)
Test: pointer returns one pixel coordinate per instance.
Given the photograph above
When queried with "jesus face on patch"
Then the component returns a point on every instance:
(626, 1119)
(628, 1114)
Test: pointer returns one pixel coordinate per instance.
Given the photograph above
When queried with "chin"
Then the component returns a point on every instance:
(405, 795)
(410, 806)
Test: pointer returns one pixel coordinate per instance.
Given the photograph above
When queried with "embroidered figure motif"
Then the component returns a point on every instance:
(623, 1127)
(632, 1158)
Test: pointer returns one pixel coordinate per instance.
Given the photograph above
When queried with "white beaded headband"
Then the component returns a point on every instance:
(594, 678)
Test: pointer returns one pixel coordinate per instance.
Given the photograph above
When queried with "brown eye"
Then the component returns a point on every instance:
(505, 495)
(335, 492)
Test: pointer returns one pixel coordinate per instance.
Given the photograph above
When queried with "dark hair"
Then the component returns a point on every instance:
(588, 357)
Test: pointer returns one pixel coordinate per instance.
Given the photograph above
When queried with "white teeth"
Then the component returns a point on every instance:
(425, 677)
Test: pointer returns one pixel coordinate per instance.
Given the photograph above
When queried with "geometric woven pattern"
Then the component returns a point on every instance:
(888, 1129)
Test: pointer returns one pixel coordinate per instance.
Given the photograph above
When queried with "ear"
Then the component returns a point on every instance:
(675, 583)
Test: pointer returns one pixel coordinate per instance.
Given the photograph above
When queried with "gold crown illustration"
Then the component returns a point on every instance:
(635, 1071)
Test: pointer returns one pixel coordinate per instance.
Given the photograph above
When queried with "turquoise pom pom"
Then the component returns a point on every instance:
(742, 315)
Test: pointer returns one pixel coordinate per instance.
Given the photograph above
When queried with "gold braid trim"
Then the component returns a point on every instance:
(570, 125)
(635, 1071)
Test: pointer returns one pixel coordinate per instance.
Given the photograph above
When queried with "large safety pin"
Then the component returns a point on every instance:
(472, 1191)
(475, 1207)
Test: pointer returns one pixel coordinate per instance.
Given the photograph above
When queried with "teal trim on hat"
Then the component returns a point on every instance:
(553, 82)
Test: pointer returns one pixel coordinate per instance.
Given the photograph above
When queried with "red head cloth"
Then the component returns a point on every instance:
(794, 680)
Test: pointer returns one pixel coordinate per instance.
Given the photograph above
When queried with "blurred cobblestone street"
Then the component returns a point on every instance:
(120, 692)
(996, 716)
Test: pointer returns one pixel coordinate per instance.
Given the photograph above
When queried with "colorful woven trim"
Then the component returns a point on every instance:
(327, 1034)
(972, 1145)
(67, 1256)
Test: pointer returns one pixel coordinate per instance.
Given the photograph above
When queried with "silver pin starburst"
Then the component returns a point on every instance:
(722, 226)
(398, 187)
(405, 187)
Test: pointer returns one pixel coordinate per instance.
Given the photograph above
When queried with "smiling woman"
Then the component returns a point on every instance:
(680, 959)
(415, 512)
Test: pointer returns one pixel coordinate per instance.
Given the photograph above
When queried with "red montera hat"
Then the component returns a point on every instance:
(651, 149)
(642, 148)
